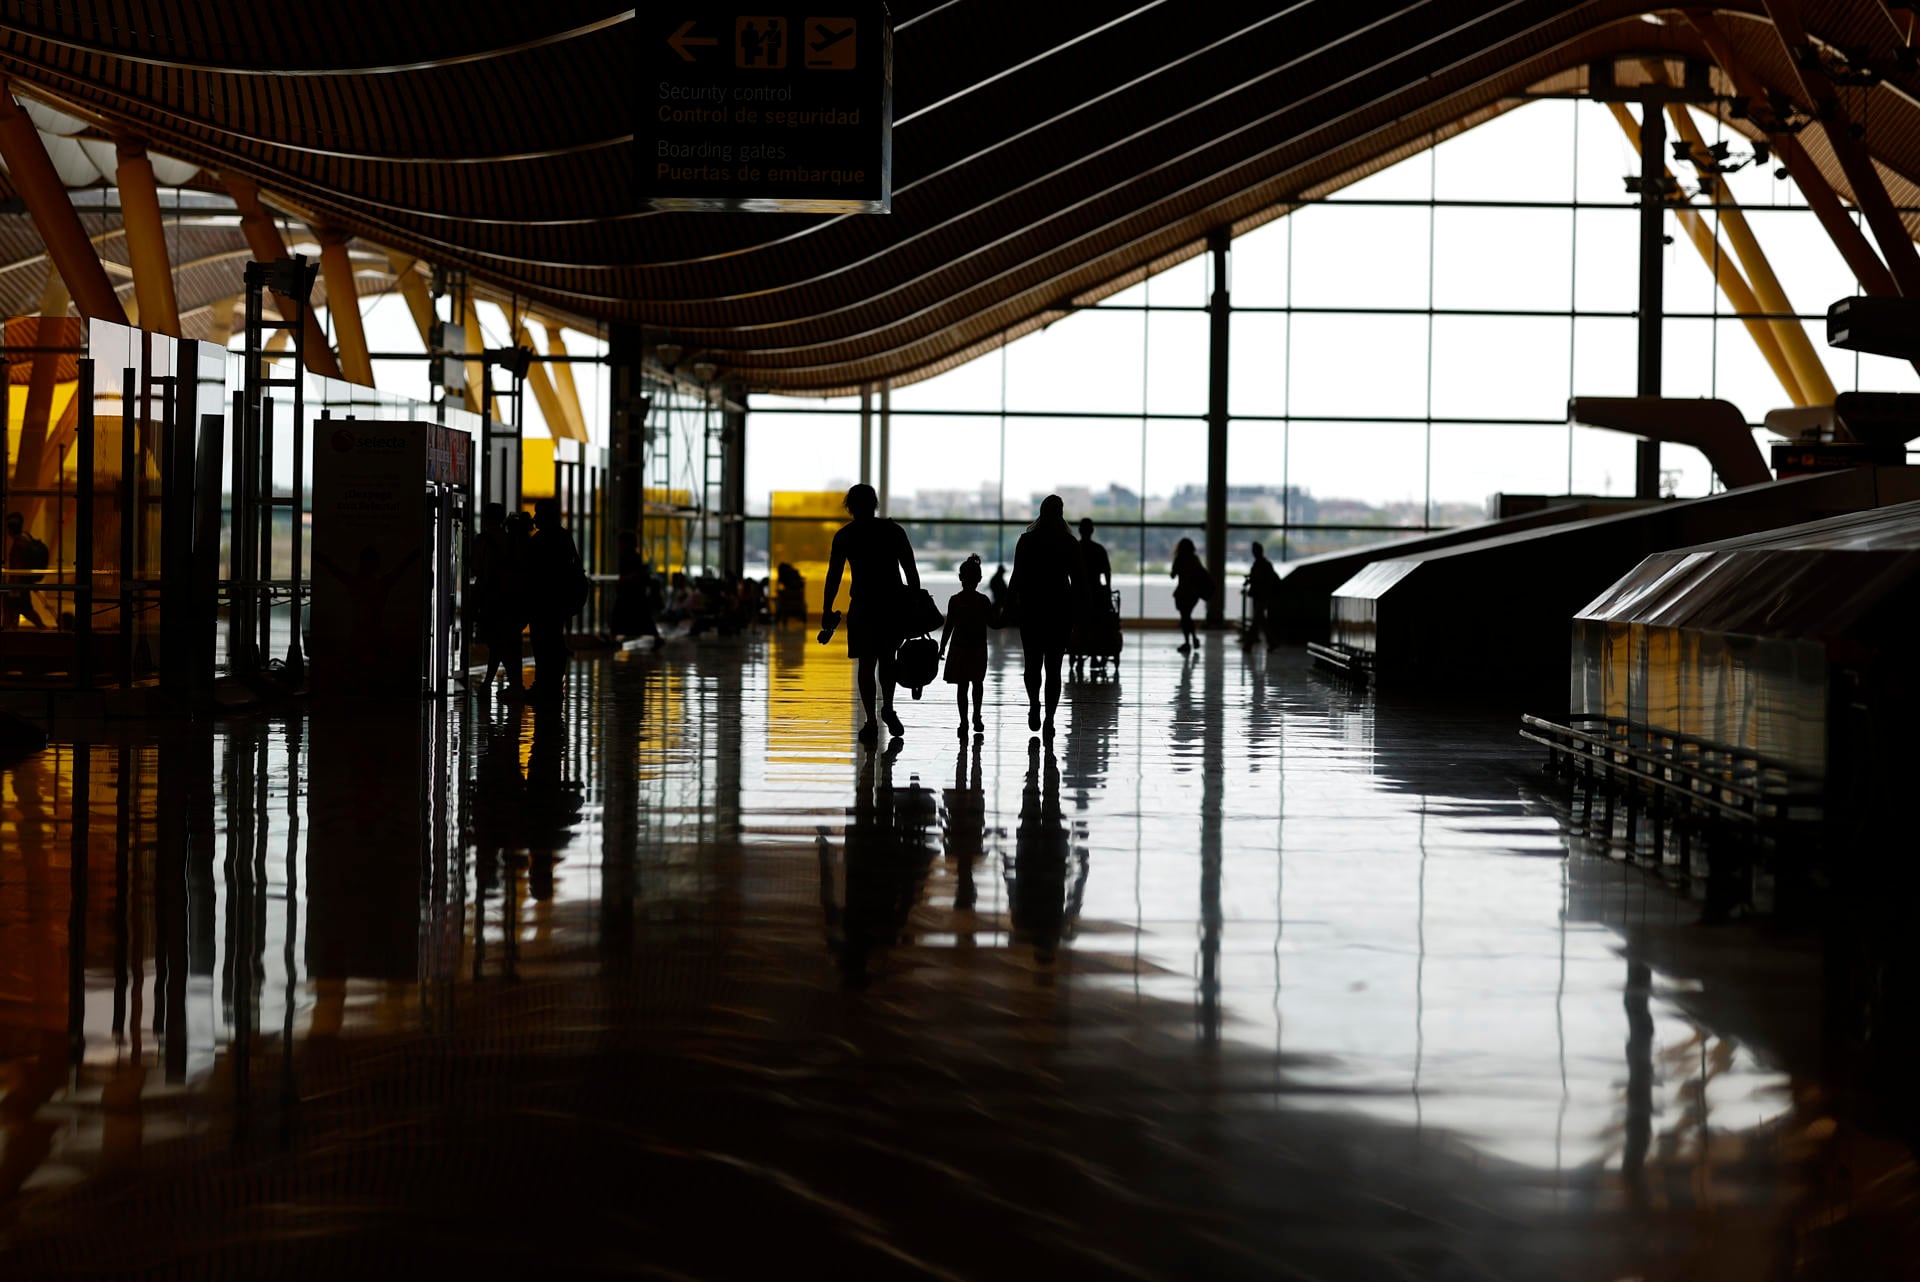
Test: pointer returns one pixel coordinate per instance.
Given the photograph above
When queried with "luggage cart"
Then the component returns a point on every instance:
(1097, 638)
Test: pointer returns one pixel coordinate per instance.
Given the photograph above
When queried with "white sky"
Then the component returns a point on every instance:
(1358, 366)
(390, 328)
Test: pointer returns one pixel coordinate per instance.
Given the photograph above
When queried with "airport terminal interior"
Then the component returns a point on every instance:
(959, 640)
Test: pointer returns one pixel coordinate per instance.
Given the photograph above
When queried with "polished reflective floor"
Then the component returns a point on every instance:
(1242, 975)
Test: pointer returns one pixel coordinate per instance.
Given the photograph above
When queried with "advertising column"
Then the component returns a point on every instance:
(370, 520)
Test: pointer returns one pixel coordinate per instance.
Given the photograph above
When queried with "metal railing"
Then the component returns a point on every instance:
(1713, 778)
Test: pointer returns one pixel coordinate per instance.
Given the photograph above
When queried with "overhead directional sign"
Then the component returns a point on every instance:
(784, 112)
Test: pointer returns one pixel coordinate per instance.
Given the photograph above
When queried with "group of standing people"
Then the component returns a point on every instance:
(525, 578)
(644, 600)
(1057, 581)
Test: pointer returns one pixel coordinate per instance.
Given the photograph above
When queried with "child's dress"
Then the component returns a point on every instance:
(967, 647)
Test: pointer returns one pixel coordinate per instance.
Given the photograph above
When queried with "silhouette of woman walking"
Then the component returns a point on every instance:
(1192, 585)
(1046, 577)
(883, 574)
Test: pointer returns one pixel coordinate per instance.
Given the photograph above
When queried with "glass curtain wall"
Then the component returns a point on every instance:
(1401, 352)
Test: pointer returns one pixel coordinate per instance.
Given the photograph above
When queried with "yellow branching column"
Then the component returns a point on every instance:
(1732, 283)
(552, 406)
(563, 382)
(414, 290)
(476, 370)
(220, 320)
(263, 238)
(420, 303)
(1801, 355)
(37, 425)
(1847, 237)
(146, 239)
(343, 301)
(33, 176)
(1869, 190)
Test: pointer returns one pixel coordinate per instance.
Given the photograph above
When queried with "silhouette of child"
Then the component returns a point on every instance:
(964, 641)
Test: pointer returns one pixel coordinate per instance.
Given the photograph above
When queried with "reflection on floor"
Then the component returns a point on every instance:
(1244, 976)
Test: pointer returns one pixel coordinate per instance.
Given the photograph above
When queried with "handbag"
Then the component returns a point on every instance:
(919, 615)
(917, 664)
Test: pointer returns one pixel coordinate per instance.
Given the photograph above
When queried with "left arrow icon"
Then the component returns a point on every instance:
(680, 39)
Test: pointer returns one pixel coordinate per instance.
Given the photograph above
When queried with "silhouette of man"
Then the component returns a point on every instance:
(1096, 578)
(495, 597)
(23, 561)
(1263, 595)
(1046, 583)
(751, 45)
(553, 567)
(1095, 563)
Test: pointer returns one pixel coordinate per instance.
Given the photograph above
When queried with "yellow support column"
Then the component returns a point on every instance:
(220, 320)
(1808, 370)
(264, 239)
(559, 426)
(37, 425)
(1732, 283)
(476, 370)
(420, 303)
(146, 239)
(343, 301)
(414, 290)
(33, 176)
(563, 382)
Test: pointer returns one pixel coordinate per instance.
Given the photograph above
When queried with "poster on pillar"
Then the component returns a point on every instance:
(743, 108)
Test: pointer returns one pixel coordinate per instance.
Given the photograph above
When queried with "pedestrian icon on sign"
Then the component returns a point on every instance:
(830, 44)
(760, 44)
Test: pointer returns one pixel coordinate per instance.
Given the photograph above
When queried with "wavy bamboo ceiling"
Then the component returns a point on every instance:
(1044, 154)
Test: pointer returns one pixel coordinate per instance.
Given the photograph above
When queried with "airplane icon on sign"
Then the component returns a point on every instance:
(830, 43)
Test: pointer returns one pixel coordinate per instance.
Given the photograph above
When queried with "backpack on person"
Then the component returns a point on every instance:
(576, 591)
(35, 555)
